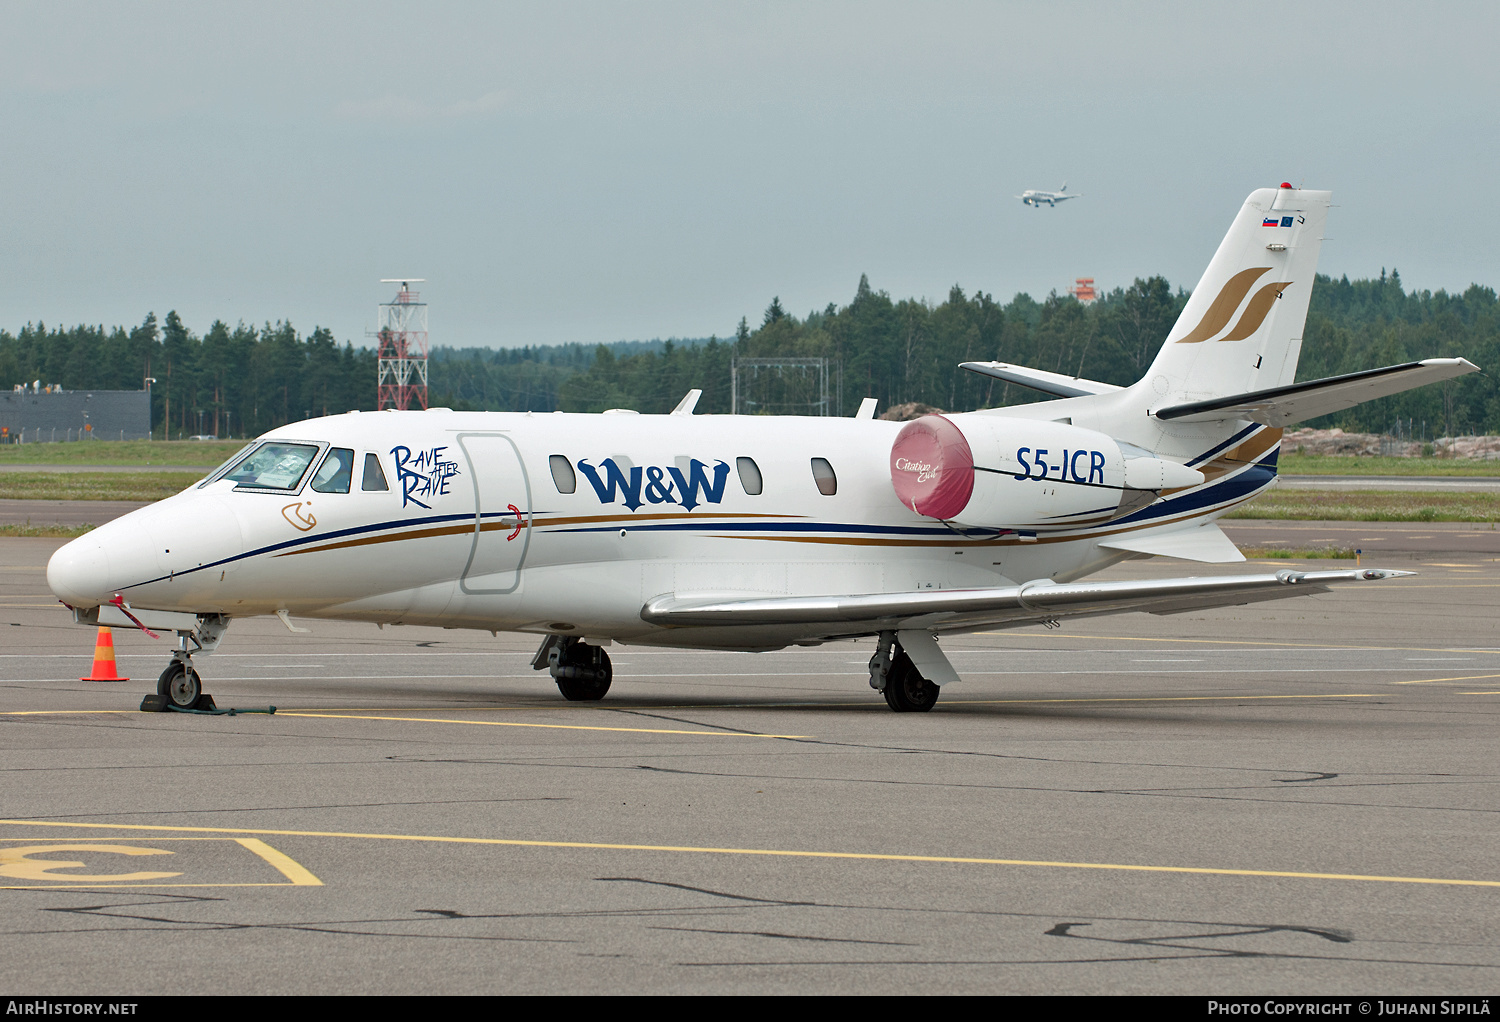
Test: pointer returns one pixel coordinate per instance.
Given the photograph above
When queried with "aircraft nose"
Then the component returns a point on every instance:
(78, 573)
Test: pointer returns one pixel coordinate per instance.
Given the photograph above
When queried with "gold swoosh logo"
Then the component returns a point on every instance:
(1257, 310)
(1228, 299)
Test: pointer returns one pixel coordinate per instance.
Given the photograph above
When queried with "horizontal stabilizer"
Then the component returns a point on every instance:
(1282, 406)
(956, 610)
(1056, 384)
(1201, 543)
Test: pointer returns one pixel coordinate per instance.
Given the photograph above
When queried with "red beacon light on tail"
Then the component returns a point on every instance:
(1286, 184)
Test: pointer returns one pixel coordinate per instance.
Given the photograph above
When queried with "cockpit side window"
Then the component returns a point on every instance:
(562, 474)
(336, 471)
(374, 475)
(273, 466)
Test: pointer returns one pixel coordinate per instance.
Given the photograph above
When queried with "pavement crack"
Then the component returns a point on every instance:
(785, 936)
(705, 890)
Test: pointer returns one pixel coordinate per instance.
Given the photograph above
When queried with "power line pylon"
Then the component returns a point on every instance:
(402, 373)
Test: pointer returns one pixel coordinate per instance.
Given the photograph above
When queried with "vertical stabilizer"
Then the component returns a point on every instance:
(1241, 330)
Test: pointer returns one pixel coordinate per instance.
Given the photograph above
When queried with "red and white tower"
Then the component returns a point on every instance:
(402, 377)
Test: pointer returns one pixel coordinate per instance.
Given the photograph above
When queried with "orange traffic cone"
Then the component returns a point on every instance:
(104, 658)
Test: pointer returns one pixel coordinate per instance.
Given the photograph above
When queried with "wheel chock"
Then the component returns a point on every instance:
(204, 705)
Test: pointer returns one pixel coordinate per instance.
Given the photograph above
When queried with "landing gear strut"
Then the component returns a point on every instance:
(894, 675)
(180, 687)
(582, 672)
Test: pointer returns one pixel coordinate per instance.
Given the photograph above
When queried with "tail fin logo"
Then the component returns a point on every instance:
(1228, 300)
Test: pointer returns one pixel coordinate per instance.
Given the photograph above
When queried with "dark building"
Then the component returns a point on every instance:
(30, 416)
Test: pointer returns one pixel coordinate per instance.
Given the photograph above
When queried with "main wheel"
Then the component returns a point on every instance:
(181, 685)
(906, 691)
(584, 673)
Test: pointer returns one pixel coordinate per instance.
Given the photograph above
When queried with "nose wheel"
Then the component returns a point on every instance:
(181, 688)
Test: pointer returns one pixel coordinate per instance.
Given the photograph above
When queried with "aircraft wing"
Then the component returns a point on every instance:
(1282, 406)
(1057, 384)
(1010, 606)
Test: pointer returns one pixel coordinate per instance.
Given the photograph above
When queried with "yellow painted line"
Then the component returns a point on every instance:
(294, 871)
(1169, 699)
(1430, 681)
(1478, 693)
(38, 713)
(512, 723)
(780, 853)
(285, 864)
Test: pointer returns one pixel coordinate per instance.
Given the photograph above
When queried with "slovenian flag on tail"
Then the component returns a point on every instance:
(1271, 221)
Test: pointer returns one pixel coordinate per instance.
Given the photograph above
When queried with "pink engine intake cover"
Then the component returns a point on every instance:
(932, 468)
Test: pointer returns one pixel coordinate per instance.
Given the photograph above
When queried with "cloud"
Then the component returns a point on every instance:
(402, 108)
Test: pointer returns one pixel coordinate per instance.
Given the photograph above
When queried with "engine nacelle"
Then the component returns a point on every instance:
(1002, 473)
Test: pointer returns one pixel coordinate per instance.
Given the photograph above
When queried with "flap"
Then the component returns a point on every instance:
(967, 609)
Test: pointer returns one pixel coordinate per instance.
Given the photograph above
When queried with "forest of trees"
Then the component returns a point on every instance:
(242, 380)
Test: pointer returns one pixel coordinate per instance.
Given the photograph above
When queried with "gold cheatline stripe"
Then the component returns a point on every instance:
(776, 853)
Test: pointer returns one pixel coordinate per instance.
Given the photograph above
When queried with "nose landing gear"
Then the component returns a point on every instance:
(181, 687)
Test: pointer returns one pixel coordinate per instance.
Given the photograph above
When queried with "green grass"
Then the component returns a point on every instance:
(47, 531)
(1256, 553)
(1356, 465)
(1372, 506)
(93, 485)
(118, 452)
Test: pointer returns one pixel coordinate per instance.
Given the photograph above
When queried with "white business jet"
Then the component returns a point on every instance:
(759, 532)
(1038, 198)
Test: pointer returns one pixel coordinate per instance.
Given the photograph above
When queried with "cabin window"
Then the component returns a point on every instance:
(828, 483)
(274, 466)
(336, 471)
(374, 475)
(749, 476)
(562, 474)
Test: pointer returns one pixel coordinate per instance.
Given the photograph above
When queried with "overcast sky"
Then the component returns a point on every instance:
(602, 171)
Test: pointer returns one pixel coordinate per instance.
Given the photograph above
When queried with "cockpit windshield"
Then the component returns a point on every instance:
(227, 465)
(273, 466)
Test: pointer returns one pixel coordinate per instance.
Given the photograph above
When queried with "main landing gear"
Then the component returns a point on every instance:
(582, 672)
(894, 675)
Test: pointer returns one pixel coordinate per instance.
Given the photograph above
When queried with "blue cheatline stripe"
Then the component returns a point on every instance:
(1242, 434)
(1253, 478)
(712, 525)
(325, 537)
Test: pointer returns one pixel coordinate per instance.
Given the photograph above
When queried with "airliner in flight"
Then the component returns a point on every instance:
(727, 532)
(1038, 198)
